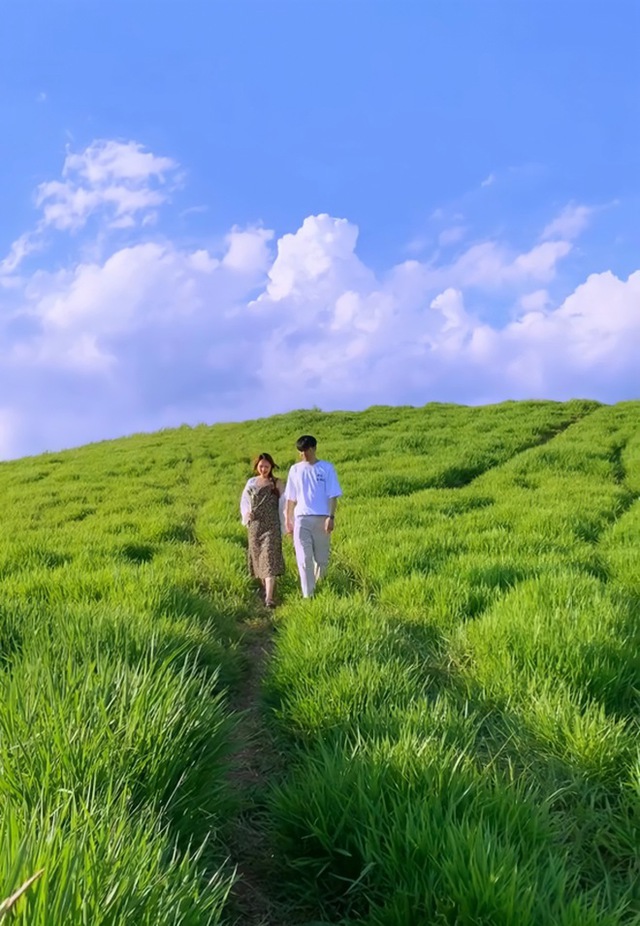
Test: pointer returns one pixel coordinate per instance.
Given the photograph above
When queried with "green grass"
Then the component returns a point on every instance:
(487, 634)
(457, 708)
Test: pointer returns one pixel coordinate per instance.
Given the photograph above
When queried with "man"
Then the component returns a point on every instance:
(311, 494)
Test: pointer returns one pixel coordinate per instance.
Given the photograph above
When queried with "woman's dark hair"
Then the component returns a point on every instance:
(272, 463)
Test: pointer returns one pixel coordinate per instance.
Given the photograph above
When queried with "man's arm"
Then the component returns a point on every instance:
(329, 523)
(290, 495)
(334, 494)
(288, 517)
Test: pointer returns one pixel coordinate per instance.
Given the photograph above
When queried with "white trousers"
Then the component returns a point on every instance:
(311, 543)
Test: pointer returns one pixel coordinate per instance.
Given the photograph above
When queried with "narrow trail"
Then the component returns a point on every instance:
(254, 762)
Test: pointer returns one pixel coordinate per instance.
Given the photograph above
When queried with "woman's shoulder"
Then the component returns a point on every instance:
(250, 482)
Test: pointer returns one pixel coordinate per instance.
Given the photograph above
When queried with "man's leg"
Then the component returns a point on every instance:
(321, 548)
(303, 545)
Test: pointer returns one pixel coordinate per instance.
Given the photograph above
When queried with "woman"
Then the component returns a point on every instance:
(261, 510)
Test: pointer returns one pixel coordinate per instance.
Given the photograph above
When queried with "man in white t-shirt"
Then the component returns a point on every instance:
(311, 494)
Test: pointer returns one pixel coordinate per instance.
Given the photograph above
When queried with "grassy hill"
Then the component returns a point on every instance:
(456, 711)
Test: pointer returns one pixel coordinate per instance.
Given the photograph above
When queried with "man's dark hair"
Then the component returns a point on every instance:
(306, 442)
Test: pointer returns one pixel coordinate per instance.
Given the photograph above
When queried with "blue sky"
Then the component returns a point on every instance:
(219, 210)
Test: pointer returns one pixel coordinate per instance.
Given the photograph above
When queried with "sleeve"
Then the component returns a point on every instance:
(290, 490)
(245, 503)
(333, 486)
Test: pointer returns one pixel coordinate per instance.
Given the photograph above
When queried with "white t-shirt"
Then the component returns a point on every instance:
(311, 485)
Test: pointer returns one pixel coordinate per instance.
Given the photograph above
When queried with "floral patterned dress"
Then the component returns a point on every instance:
(265, 534)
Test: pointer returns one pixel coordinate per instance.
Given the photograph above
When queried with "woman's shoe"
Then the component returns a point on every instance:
(270, 603)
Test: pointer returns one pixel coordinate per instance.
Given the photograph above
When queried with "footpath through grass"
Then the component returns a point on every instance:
(457, 709)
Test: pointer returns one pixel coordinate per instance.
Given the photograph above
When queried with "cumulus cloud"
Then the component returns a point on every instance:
(154, 334)
(491, 265)
(121, 178)
(535, 301)
(350, 338)
(585, 346)
(319, 253)
(248, 250)
(119, 181)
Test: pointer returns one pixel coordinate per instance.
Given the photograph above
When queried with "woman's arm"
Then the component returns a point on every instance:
(282, 505)
(245, 504)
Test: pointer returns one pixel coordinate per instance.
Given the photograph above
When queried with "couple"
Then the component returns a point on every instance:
(306, 508)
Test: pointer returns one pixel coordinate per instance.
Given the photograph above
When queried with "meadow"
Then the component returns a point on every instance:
(456, 712)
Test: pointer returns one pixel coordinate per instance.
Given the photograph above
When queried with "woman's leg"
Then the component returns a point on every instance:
(269, 589)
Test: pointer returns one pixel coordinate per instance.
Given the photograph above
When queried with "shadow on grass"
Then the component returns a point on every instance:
(137, 552)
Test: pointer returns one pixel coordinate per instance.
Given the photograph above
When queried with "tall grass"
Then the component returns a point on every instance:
(457, 707)
(118, 607)
(462, 698)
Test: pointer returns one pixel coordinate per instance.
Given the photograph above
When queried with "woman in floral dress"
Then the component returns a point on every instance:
(261, 510)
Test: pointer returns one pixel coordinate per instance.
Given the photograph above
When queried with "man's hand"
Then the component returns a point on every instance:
(288, 516)
(329, 524)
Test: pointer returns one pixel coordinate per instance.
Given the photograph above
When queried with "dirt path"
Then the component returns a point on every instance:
(254, 762)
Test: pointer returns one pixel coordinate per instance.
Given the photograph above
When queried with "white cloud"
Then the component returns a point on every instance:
(9, 425)
(67, 207)
(488, 181)
(451, 235)
(121, 178)
(491, 265)
(570, 223)
(536, 301)
(540, 262)
(24, 245)
(193, 210)
(322, 247)
(106, 162)
(248, 250)
(418, 245)
(153, 334)
(586, 346)
(119, 181)
(376, 342)
(451, 304)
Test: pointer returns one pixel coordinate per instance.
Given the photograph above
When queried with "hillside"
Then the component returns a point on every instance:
(450, 727)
